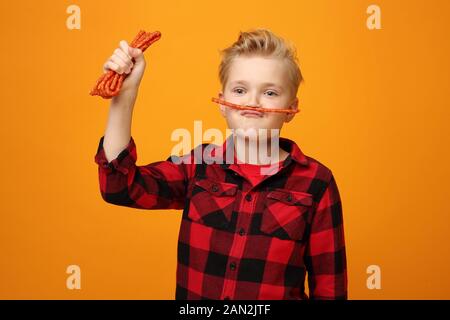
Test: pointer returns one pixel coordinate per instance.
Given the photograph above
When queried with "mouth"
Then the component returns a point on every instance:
(251, 114)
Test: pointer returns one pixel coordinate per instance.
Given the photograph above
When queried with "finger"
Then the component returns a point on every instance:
(124, 46)
(110, 65)
(123, 56)
(117, 60)
(135, 52)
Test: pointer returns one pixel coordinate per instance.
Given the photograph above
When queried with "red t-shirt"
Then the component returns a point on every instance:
(255, 173)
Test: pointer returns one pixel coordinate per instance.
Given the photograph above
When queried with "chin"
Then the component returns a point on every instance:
(253, 132)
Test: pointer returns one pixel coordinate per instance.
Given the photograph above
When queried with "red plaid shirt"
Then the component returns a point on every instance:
(238, 240)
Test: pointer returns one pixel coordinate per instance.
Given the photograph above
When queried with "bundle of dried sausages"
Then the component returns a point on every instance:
(109, 84)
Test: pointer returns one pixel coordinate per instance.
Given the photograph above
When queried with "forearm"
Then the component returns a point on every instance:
(118, 128)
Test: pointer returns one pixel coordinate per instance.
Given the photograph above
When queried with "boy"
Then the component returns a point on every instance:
(243, 234)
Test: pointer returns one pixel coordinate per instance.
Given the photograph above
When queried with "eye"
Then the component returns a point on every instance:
(273, 93)
(238, 90)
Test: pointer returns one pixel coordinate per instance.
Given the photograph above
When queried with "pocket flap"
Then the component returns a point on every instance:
(217, 188)
(294, 198)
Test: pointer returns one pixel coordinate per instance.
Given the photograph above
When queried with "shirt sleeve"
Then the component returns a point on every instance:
(158, 185)
(325, 257)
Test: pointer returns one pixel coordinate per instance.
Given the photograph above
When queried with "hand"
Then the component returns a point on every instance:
(127, 60)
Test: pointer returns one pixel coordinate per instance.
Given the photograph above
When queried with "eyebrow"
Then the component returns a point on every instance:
(264, 84)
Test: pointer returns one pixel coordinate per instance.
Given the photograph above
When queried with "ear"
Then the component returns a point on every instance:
(222, 108)
(294, 106)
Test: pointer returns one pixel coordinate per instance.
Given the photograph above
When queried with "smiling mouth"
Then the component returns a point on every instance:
(251, 114)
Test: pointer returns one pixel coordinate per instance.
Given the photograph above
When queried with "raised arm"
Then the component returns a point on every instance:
(157, 185)
(118, 129)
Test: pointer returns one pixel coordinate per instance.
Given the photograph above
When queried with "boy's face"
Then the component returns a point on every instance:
(257, 81)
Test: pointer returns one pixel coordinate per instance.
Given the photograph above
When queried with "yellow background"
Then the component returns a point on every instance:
(375, 109)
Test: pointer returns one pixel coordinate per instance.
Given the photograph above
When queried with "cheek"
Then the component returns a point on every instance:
(232, 113)
(232, 117)
(274, 121)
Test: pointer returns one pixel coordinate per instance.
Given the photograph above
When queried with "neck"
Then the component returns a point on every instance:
(253, 150)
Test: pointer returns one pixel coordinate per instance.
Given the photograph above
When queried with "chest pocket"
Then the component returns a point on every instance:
(286, 213)
(212, 203)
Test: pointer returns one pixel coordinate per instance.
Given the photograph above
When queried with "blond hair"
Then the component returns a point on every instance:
(262, 42)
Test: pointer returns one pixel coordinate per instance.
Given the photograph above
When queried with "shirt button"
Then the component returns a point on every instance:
(241, 231)
(248, 197)
(233, 266)
(289, 197)
(215, 188)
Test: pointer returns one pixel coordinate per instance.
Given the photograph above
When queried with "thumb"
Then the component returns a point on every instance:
(136, 53)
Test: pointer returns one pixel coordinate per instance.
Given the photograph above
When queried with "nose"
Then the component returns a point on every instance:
(254, 101)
